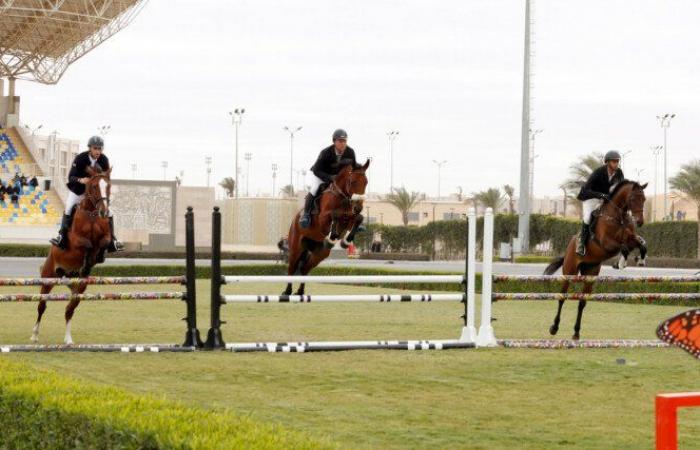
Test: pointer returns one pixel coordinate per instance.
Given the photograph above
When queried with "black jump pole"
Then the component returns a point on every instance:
(214, 337)
(192, 338)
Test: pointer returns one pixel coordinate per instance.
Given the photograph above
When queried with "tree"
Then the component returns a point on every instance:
(288, 191)
(578, 175)
(403, 201)
(229, 185)
(565, 190)
(490, 198)
(687, 180)
(510, 193)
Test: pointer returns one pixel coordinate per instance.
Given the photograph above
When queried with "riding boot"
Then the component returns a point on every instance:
(582, 239)
(114, 245)
(61, 241)
(305, 218)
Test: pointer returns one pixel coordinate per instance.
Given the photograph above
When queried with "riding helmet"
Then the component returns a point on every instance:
(339, 134)
(612, 155)
(96, 141)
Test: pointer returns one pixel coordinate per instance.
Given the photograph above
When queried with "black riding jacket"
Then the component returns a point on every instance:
(599, 184)
(327, 164)
(79, 170)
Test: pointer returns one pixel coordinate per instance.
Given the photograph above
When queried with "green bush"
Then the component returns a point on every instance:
(39, 409)
(672, 239)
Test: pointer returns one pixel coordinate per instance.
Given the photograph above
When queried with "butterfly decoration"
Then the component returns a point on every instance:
(682, 330)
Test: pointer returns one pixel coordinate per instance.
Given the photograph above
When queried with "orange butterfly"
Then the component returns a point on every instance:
(682, 330)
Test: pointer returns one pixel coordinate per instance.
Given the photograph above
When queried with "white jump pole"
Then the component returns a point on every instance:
(469, 330)
(486, 337)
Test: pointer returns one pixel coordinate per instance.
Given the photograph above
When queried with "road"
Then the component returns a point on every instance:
(29, 267)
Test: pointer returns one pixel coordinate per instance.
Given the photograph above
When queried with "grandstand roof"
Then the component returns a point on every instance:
(39, 39)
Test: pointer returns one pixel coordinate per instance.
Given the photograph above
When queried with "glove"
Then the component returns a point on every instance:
(604, 197)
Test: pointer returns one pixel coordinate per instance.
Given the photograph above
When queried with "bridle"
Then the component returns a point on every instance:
(345, 193)
(95, 202)
(623, 218)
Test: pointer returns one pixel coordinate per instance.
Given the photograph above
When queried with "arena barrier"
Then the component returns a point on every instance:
(189, 296)
(487, 338)
(466, 296)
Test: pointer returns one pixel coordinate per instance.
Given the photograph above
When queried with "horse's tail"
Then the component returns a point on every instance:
(554, 265)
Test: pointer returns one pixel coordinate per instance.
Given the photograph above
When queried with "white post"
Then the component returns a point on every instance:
(486, 337)
(469, 331)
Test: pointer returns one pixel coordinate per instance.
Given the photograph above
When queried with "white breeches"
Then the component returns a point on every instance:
(588, 207)
(316, 182)
(74, 200)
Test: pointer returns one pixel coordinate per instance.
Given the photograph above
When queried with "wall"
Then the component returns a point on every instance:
(256, 223)
(202, 201)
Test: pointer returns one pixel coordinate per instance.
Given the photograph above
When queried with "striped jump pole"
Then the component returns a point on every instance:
(94, 348)
(342, 298)
(91, 281)
(598, 279)
(603, 297)
(329, 346)
(93, 297)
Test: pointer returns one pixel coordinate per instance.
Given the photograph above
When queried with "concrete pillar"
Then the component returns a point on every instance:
(2, 87)
(11, 94)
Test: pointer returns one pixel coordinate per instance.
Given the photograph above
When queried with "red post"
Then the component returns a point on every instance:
(667, 417)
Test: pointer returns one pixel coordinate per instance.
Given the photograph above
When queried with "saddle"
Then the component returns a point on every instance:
(316, 208)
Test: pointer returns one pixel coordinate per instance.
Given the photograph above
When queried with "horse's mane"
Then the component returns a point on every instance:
(624, 183)
(343, 163)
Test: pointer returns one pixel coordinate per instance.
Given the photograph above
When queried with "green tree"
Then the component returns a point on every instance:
(510, 193)
(404, 201)
(288, 191)
(687, 181)
(229, 185)
(490, 198)
(578, 175)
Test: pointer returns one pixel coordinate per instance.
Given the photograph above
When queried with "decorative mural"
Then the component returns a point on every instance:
(143, 207)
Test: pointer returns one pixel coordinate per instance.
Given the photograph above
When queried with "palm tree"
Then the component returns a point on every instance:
(403, 201)
(687, 180)
(288, 191)
(510, 193)
(578, 175)
(229, 185)
(490, 198)
(565, 190)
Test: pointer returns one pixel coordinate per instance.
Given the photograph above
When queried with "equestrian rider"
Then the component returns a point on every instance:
(77, 178)
(595, 191)
(325, 169)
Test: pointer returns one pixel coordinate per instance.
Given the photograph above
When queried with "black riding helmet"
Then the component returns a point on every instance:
(96, 141)
(612, 155)
(340, 134)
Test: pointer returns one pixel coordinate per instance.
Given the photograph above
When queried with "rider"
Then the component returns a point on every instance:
(77, 178)
(325, 169)
(595, 191)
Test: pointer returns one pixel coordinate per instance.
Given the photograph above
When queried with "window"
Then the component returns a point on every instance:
(413, 217)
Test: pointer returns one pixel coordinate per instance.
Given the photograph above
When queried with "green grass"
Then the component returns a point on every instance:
(485, 398)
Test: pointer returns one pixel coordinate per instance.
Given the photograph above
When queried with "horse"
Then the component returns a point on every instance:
(88, 239)
(608, 240)
(338, 218)
(631, 241)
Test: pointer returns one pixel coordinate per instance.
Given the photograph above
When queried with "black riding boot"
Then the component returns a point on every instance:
(61, 241)
(305, 218)
(582, 239)
(114, 245)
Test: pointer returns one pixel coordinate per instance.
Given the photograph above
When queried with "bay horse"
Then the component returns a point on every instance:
(338, 218)
(88, 238)
(609, 237)
(631, 241)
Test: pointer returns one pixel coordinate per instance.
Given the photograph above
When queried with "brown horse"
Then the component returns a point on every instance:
(88, 239)
(631, 241)
(338, 219)
(609, 238)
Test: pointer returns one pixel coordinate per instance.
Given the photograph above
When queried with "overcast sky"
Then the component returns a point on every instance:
(447, 75)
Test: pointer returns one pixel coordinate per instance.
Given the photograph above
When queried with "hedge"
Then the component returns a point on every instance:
(40, 409)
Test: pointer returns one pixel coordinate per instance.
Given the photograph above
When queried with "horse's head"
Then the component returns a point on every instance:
(629, 196)
(352, 180)
(98, 190)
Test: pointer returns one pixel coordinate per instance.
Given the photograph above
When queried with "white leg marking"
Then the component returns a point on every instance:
(623, 262)
(35, 333)
(68, 340)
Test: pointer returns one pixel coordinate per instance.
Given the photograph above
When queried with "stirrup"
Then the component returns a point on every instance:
(59, 241)
(115, 246)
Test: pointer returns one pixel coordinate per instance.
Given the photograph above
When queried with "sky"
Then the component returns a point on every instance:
(447, 75)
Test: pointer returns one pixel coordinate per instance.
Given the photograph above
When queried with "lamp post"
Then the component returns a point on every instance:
(274, 178)
(207, 162)
(665, 122)
(291, 132)
(248, 157)
(33, 130)
(392, 137)
(236, 117)
(622, 158)
(164, 165)
(439, 167)
(103, 130)
(655, 150)
(531, 182)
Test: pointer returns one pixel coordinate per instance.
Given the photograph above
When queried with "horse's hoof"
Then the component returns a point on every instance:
(615, 266)
(576, 337)
(34, 338)
(553, 330)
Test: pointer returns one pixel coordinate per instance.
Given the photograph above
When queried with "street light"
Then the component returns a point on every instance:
(164, 165)
(639, 174)
(532, 156)
(655, 150)
(291, 151)
(207, 161)
(236, 117)
(33, 130)
(439, 167)
(392, 137)
(665, 122)
(103, 130)
(274, 178)
(248, 157)
(622, 157)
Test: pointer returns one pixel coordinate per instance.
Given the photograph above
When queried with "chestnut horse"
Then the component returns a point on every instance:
(88, 239)
(338, 219)
(610, 235)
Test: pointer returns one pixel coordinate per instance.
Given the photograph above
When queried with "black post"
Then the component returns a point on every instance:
(466, 270)
(214, 338)
(192, 338)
